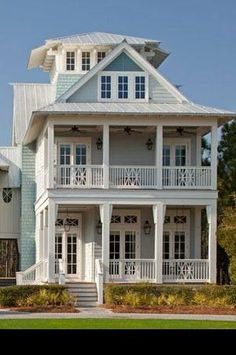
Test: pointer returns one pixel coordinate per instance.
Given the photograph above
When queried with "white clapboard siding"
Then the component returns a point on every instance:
(10, 215)
(158, 93)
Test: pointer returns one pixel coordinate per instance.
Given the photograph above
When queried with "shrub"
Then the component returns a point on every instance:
(13, 296)
(153, 295)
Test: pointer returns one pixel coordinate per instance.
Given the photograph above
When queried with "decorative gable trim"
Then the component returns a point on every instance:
(137, 58)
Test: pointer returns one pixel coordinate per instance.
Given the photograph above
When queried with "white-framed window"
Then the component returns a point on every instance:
(140, 87)
(176, 152)
(123, 87)
(85, 61)
(100, 56)
(70, 60)
(105, 86)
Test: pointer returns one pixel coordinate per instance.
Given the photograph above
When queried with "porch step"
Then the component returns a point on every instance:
(7, 282)
(85, 293)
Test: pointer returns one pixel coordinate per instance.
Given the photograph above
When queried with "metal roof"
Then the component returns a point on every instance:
(102, 38)
(28, 98)
(133, 108)
(10, 164)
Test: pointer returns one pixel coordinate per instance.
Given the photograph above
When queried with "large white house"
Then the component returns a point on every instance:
(104, 181)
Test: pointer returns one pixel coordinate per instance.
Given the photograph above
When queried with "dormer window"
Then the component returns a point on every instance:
(85, 61)
(70, 61)
(100, 56)
(123, 87)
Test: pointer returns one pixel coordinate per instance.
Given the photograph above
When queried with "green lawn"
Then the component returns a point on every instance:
(113, 324)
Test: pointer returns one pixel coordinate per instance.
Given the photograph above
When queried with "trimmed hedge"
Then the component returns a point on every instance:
(13, 296)
(155, 295)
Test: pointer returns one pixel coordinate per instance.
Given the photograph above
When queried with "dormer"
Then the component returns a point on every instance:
(78, 54)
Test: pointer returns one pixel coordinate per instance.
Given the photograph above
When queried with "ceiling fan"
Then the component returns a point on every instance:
(127, 130)
(72, 131)
(181, 131)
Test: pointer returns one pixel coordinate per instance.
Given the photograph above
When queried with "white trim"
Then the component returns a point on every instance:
(73, 141)
(134, 55)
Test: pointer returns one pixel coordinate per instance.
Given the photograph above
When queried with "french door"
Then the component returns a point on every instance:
(67, 249)
(8, 258)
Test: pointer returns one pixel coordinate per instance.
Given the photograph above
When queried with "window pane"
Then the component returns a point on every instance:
(105, 87)
(140, 87)
(85, 61)
(70, 61)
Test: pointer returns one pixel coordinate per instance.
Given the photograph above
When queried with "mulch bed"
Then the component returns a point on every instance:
(47, 309)
(173, 310)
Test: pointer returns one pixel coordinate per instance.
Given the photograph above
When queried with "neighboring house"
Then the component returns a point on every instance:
(112, 182)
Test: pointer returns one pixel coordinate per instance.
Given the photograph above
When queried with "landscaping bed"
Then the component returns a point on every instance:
(150, 298)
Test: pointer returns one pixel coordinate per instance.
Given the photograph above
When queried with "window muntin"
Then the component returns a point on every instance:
(114, 245)
(100, 56)
(180, 155)
(65, 154)
(116, 219)
(71, 254)
(70, 61)
(180, 219)
(105, 87)
(131, 219)
(140, 87)
(85, 61)
(166, 155)
(179, 245)
(7, 195)
(123, 87)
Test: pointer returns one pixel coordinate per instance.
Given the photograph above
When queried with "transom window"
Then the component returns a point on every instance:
(130, 219)
(7, 195)
(85, 61)
(116, 219)
(105, 87)
(167, 219)
(100, 56)
(140, 87)
(123, 87)
(180, 219)
(70, 61)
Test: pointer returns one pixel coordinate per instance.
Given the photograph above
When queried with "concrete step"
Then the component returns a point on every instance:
(85, 293)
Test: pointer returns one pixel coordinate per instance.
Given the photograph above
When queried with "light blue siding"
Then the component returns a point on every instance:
(158, 93)
(65, 81)
(28, 194)
(87, 93)
(123, 63)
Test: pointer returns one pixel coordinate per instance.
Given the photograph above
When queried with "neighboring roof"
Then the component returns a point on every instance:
(187, 108)
(38, 54)
(101, 38)
(28, 98)
(10, 162)
(124, 47)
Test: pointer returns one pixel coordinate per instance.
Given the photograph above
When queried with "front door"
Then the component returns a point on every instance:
(71, 254)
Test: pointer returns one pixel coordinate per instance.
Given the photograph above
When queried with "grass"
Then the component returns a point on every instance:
(113, 324)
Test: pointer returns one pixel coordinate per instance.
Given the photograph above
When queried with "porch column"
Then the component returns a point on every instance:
(51, 241)
(197, 232)
(105, 215)
(214, 156)
(212, 240)
(106, 156)
(159, 149)
(158, 217)
(50, 155)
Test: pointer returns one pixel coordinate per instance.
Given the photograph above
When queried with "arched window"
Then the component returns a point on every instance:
(7, 195)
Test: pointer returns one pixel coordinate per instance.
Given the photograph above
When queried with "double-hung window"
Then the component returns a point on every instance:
(70, 61)
(105, 87)
(85, 61)
(123, 87)
(140, 87)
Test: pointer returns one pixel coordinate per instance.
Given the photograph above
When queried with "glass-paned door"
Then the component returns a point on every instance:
(114, 253)
(65, 162)
(179, 245)
(130, 252)
(58, 251)
(81, 173)
(71, 254)
(8, 258)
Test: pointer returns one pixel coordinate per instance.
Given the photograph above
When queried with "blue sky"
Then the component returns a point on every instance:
(200, 34)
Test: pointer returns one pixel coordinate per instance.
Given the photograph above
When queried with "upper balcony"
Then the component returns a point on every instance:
(127, 157)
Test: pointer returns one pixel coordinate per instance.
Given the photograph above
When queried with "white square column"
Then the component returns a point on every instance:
(51, 241)
(212, 240)
(105, 215)
(106, 149)
(158, 154)
(158, 217)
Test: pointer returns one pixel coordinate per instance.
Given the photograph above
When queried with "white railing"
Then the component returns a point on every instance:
(35, 274)
(133, 177)
(82, 176)
(186, 270)
(99, 279)
(185, 177)
(132, 270)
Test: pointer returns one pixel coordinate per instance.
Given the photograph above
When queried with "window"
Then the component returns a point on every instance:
(70, 61)
(59, 222)
(180, 219)
(80, 158)
(7, 195)
(58, 250)
(100, 56)
(85, 61)
(179, 245)
(122, 87)
(105, 87)
(166, 155)
(140, 87)
(166, 245)
(180, 155)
